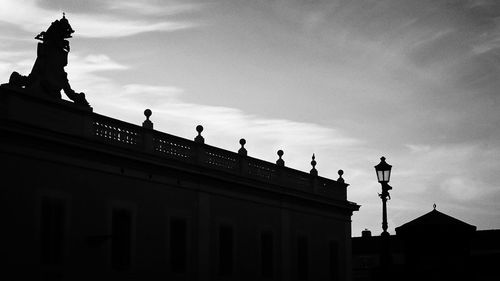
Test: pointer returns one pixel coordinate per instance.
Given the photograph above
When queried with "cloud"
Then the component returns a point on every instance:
(461, 171)
(29, 16)
(461, 188)
(441, 39)
(415, 81)
(93, 63)
(224, 126)
(418, 148)
(14, 61)
(85, 72)
(110, 26)
(153, 8)
(144, 94)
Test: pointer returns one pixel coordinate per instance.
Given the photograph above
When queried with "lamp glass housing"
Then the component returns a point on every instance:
(383, 171)
(380, 176)
(387, 175)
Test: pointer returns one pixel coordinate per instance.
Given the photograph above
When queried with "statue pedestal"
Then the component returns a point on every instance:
(20, 105)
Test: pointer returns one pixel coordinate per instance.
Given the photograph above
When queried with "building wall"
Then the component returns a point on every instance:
(92, 179)
(439, 251)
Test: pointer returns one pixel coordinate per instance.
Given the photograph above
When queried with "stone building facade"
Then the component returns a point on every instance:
(88, 196)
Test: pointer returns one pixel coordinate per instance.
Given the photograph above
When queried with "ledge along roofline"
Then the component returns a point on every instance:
(65, 117)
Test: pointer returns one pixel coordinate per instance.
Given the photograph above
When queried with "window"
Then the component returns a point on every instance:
(267, 254)
(121, 242)
(178, 245)
(53, 215)
(302, 258)
(226, 240)
(333, 248)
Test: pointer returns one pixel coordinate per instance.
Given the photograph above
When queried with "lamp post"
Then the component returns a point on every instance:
(384, 175)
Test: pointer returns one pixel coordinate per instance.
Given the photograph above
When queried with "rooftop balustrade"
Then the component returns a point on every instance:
(65, 117)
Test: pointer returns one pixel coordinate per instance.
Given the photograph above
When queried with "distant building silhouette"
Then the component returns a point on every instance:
(434, 246)
(85, 196)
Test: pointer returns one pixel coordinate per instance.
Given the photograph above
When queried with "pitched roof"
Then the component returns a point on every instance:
(435, 220)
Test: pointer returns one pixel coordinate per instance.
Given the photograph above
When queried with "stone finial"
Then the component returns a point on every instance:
(147, 123)
(314, 172)
(434, 206)
(242, 150)
(280, 161)
(199, 138)
(340, 179)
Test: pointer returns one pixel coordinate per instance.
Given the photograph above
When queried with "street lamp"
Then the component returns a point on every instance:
(384, 175)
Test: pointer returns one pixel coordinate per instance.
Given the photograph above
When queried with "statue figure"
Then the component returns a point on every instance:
(48, 76)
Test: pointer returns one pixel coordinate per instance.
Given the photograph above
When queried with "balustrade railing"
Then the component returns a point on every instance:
(114, 131)
(172, 147)
(261, 169)
(297, 179)
(221, 159)
(63, 115)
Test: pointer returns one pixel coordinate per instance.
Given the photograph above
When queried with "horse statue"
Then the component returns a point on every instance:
(48, 76)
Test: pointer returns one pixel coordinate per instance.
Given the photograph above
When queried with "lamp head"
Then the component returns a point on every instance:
(383, 171)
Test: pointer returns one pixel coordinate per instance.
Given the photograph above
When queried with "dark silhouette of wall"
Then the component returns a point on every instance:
(87, 196)
(434, 246)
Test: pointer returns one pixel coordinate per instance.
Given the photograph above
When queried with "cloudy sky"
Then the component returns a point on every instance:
(416, 81)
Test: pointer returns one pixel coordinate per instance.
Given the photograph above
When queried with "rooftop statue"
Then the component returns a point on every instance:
(48, 76)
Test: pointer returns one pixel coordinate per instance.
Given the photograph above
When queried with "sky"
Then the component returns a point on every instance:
(348, 80)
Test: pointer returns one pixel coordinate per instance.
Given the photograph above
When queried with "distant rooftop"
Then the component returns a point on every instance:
(435, 219)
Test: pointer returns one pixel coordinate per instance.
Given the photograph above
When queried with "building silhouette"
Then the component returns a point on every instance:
(88, 196)
(434, 246)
